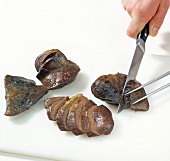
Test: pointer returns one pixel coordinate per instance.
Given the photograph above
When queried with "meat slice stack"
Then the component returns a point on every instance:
(79, 115)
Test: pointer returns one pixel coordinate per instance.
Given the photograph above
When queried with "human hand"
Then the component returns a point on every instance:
(144, 11)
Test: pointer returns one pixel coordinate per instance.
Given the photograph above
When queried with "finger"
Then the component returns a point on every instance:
(134, 28)
(128, 5)
(158, 18)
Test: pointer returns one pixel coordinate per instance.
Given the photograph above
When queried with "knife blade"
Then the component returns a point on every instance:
(136, 61)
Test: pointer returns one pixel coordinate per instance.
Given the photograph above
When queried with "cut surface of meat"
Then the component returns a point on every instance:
(103, 120)
(53, 109)
(84, 119)
(49, 101)
(75, 116)
(92, 125)
(62, 113)
(80, 115)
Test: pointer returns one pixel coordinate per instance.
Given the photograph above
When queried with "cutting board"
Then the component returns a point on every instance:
(136, 135)
(91, 34)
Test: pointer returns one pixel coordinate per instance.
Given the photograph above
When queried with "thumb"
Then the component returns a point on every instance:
(157, 19)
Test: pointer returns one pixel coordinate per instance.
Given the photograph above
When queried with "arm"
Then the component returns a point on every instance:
(143, 11)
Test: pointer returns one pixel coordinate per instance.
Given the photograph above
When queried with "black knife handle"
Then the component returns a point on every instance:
(144, 33)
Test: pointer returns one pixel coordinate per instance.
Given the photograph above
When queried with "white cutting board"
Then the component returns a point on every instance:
(136, 135)
(91, 34)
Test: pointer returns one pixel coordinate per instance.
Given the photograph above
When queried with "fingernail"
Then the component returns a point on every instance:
(155, 31)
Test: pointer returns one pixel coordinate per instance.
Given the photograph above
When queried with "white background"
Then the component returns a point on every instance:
(91, 33)
(87, 23)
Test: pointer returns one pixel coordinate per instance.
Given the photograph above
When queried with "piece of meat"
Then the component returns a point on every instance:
(105, 88)
(63, 112)
(84, 118)
(142, 105)
(79, 115)
(40, 60)
(103, 122)
(74, 116)
(54, 107)
(71, 117)
(49, 101)
(92, 126)
(21, 94)
(55, 70)
(109, 88)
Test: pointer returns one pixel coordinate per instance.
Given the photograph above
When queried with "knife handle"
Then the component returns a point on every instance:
(144, 33)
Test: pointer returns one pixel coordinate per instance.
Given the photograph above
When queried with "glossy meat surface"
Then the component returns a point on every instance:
(103, 120)
(55, 70)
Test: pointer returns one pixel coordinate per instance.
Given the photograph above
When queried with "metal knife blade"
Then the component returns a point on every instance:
(136, 61)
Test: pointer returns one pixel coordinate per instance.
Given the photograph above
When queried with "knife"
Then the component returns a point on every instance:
(136, 61)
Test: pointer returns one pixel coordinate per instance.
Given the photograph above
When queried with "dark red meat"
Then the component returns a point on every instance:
(53, 108)
(61, 117)
(55, 70)
(21, 94)
(79, 115)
